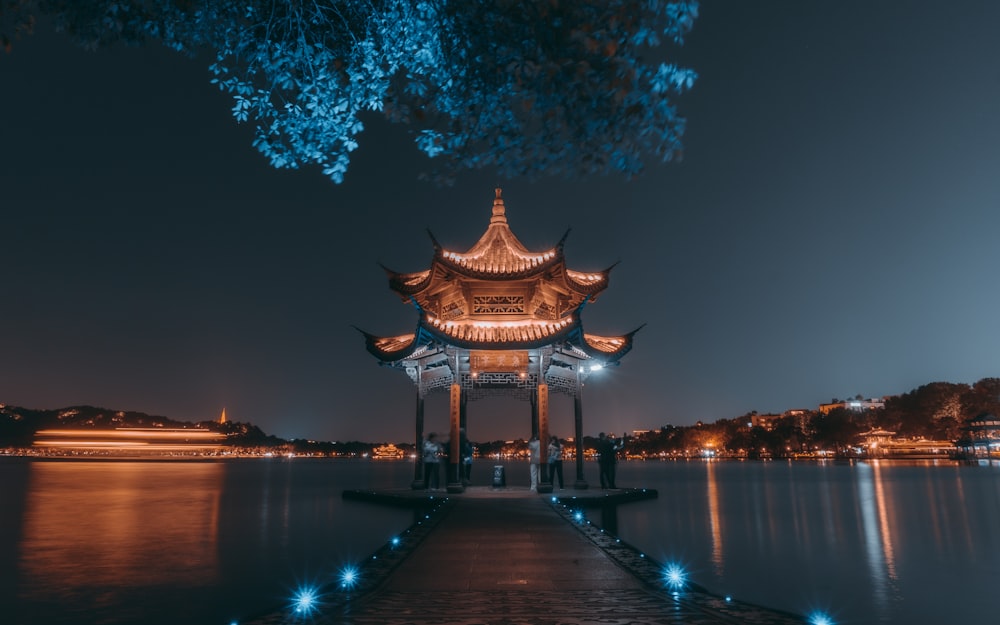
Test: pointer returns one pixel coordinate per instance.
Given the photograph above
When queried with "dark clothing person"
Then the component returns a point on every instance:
(466, 460)
(464, 457)
(608, 458)
(555, 452)
(431, 450)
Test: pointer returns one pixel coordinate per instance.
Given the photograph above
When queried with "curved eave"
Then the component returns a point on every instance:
(588, 283)
(470, 267)
(407, 284)
(395, 348)
(605, 349)
(505, 336)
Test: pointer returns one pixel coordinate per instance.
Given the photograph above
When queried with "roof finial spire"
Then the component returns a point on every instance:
(499, 210)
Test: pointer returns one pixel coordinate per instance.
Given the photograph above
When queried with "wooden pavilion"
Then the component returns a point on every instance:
(499, 320)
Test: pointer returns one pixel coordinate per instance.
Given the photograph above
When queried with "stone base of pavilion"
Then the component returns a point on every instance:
(590, 498)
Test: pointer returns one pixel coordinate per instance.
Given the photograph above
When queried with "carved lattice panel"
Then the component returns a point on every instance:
(498, 304)
(452, 311)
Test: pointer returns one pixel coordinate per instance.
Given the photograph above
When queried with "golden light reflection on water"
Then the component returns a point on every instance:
(884, 521)
(93, 527)
(876, 517)
(715, 520)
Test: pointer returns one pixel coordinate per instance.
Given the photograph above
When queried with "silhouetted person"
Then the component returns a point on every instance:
(607, 449)
(431, 450)
(466, 453)
(534, 454)
(555, 451)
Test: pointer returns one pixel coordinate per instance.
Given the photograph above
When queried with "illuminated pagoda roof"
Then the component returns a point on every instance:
(498, 256)
(497, 296)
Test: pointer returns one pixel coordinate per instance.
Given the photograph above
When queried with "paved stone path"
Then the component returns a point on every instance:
(517, 561)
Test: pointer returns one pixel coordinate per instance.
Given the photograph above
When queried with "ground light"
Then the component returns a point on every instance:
(818, 618)
(348, 577)
(305, 601)
(675, 576)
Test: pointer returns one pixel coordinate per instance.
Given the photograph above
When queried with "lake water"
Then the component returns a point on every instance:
(211, 542)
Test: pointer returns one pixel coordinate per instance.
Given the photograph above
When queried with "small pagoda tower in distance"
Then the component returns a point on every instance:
(499, 320)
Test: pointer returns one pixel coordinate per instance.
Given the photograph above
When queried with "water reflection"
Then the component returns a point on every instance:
(715, 519)
(92, 529)
(877, 534)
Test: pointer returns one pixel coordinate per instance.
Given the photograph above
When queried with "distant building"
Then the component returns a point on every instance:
(801, 416)
(883, 443)
(857, 405)
(983, 436)
(766, 421)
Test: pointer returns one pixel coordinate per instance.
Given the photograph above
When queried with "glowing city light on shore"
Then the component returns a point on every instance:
(578, 515)
(395, 541)
(348, 577)
(674, 576)
(305, 601)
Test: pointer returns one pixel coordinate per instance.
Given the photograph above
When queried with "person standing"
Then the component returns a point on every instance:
(534, 454)
(431, 451)
(607, 457)
(555, 450)
(467, 450)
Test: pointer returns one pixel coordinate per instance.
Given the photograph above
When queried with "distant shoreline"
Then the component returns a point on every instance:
(923, 459)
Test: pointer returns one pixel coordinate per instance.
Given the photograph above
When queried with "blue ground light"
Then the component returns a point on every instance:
(348, 577)
(675, 576)
(305, 601)
(818, 618)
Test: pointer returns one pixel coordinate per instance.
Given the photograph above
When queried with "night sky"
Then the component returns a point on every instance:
(832, 230)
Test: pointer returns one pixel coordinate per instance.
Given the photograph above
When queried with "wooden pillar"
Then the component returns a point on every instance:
(544, 484)
(463, 419)
(463, 424)
(455, 455)
(581, 481)
(418, 463)
(534, 414)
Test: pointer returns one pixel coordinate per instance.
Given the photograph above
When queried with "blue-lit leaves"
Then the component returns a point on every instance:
(241, 109)
(671, 78)
(528, 88)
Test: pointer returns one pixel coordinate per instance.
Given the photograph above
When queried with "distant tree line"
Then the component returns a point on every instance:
(19, 425)
(935, 411)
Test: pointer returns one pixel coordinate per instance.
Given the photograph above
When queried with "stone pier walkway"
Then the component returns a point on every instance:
(516, 559)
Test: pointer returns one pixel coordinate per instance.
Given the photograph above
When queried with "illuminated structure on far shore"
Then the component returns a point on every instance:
(131, 441)
(499, 320)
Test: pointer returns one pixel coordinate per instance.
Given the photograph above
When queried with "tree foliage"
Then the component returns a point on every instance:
(543, 87)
